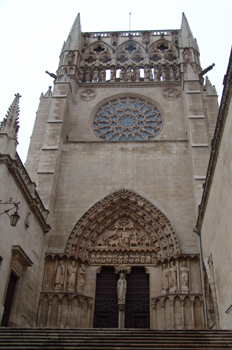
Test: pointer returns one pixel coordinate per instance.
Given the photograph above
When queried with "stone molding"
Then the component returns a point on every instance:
(27, 187)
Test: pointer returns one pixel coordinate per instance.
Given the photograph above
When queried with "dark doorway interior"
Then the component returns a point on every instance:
(9, 300)
(137, 299)
(106, 302)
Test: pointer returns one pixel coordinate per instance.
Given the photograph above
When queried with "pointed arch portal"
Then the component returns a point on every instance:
(123, 228)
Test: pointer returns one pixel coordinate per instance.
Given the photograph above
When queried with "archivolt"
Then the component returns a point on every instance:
(123, 204)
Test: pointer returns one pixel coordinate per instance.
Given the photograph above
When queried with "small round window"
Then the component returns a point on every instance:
(127, 119)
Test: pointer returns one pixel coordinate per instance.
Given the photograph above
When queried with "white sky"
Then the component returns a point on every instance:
(32, 34)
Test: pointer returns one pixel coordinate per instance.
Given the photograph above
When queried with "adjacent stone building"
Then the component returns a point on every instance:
(214, 219)
(119, 155)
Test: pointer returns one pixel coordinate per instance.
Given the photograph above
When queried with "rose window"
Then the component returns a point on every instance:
(127, 119)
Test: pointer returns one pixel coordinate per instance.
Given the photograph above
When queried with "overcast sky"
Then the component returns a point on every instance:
(33, 32)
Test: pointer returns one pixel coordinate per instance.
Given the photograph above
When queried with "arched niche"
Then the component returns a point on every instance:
(123, 228)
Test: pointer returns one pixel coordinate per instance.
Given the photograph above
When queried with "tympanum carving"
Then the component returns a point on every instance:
(123, 228)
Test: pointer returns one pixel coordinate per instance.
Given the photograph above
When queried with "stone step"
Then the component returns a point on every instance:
(96, 339)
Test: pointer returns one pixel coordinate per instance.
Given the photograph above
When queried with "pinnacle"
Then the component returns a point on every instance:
(187, 39)
(10, 124)
(73, 41)
(209, 88)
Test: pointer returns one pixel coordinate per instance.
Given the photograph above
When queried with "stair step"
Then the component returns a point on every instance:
(113, 339)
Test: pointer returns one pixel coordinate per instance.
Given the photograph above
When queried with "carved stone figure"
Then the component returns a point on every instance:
(172, 278)
(92, 259)
(81, 277)
(137, 259)
(112, 73)
(163, 71)
(59, 280)
(156, 73)
(171, 94)
(187, 54)
(103, 74)
(121, 289)
(137, 74)
(148, 259)
(88, 75)
(129, 74)
(114, 39)
(171, 73)
(164, 279)
(177, 73)
(184, 277)
(122, 74)
(134, 239)
(153, 259)
(70, 57)
(126, 259)
(146, 38)
(146, 73)
(102, 242)
(95, 74)
(71, 275)
(108, 259)
(88, 95)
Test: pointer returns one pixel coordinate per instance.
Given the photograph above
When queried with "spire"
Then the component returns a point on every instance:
(187, 39)
(73, 41)
(10, 124)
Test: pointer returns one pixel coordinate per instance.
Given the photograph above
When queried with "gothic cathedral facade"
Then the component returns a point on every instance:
(119, 154)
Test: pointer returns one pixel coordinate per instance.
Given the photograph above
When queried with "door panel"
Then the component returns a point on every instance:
(106, 302)
(137, 299)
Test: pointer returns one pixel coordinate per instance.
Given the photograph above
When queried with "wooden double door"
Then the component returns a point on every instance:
(137, 313)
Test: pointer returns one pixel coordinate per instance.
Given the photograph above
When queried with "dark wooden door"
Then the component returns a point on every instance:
(9, 300)
(137, 299)
(106, 301)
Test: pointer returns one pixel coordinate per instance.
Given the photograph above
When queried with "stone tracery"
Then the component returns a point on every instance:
(123, 228)
(127, 119)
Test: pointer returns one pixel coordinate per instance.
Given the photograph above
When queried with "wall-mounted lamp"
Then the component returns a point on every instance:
(14, 218)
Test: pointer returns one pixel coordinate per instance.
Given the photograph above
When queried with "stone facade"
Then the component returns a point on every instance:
(119, 154)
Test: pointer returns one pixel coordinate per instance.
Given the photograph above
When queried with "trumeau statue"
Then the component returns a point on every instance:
(172, 278)
(184, 277)
(71, 275)
(59, 279)
(121, 289)
(164, 279)
(81, 277)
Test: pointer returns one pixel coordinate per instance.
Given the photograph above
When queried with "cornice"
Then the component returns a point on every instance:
(216, 142)
(27, 187)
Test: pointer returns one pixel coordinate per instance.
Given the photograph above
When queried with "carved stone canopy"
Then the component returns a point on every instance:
(123, 228)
